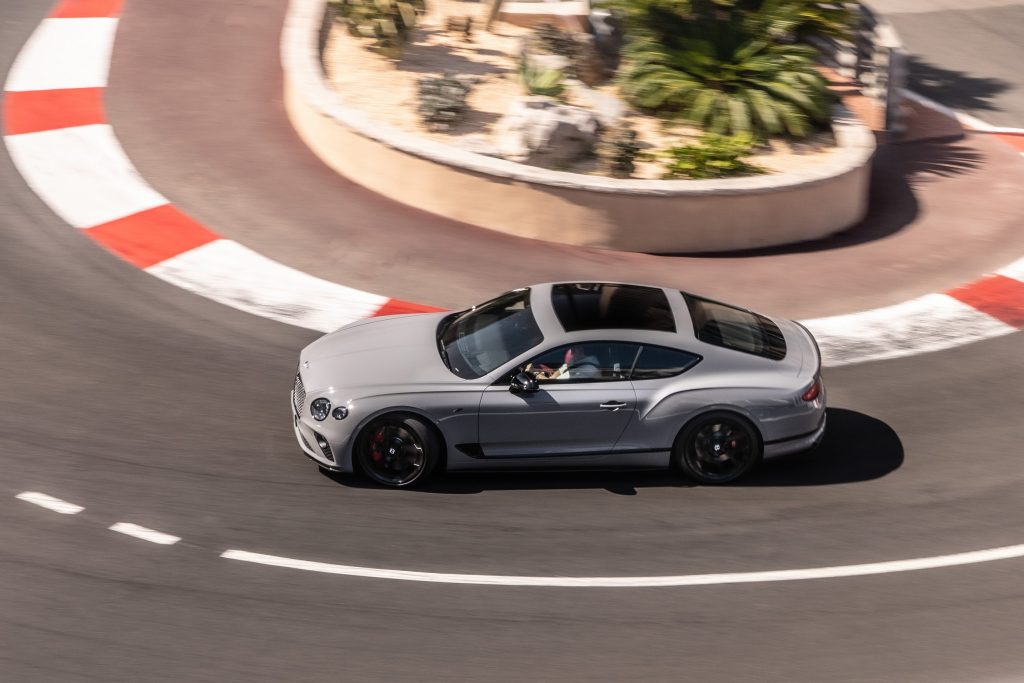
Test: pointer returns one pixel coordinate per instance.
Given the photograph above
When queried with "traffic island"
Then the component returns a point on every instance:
(643, 215)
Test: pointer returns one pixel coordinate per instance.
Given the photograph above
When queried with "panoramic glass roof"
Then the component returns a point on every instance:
(603, 306)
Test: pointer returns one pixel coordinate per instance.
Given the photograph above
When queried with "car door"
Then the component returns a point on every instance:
(583, 411)
(656, 375)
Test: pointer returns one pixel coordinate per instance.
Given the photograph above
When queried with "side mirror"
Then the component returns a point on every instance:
(523, 381)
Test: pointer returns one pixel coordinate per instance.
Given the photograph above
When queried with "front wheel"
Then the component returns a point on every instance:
(397, 450)
(717, 448)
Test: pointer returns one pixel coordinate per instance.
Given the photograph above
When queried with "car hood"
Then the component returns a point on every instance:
(391, 350)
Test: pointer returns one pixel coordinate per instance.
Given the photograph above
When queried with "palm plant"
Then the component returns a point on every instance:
(729, 83)
(797, 20)
(776, 20)
(731, 66)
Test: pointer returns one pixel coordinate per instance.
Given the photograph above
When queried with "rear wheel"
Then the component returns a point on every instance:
(397, 450)
(717, 448)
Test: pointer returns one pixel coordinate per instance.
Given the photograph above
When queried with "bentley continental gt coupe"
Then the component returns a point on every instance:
(563, 375)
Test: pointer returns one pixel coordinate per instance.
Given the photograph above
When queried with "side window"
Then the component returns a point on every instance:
(585, 362)
(657, 362)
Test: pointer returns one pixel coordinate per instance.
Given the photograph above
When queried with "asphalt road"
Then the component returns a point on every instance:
(965, 55)
(148, 405)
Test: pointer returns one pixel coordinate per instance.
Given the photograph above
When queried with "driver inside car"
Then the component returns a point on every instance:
(577, 365)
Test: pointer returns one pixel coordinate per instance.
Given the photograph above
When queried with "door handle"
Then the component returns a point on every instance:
(613, 405)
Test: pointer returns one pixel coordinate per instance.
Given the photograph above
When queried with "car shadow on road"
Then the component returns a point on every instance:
(856, 447)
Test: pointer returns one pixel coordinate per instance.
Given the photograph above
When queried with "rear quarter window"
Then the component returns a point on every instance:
(657, 362)
(735, 328)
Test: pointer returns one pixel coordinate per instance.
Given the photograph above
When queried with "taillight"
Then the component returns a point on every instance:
(813, 391)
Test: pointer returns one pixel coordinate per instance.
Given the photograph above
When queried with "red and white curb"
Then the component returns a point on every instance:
(56, 133)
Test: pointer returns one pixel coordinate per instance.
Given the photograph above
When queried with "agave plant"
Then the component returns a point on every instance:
(540, 81)
(729, 83)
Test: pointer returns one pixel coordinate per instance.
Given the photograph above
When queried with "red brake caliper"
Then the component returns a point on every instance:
(375, 444)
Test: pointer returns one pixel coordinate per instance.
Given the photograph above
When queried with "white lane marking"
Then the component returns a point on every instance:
(144, 533)
(227, 272)
(972, 557)
(929, 323)
(1015, 270)
(82, 173)
(49, 502)
(65, 53)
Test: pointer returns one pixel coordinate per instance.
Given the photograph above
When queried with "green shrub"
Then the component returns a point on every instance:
(442, 101)
(730, 86)
(730, 66)
(713, 156)
(537, 81)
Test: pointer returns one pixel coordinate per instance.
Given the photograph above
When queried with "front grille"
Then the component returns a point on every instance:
(300, 394)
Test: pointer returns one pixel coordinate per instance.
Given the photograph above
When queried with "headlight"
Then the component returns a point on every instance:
(340, 413)
(320, 409)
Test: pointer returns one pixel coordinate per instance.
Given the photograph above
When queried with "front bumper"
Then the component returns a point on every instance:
(307, 440)
(797, 443)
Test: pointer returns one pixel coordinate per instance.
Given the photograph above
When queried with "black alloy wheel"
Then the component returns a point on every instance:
(397, 450)
(717, 448)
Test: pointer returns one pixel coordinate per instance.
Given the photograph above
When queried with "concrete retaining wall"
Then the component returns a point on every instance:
(657, 216)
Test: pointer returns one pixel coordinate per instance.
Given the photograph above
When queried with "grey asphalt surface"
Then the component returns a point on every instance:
(146, 404)
(965, 55)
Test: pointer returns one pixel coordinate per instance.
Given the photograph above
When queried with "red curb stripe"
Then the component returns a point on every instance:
(38, 110)
(1013, 140)
(398, 307)
(149, 237)
(86, 9)
(998, 296)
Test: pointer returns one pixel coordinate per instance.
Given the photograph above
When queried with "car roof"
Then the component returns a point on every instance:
(555, 333)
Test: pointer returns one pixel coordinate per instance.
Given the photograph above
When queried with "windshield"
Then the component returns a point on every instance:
(484, 338)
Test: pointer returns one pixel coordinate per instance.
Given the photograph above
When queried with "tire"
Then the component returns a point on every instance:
(717, 448)
(397, 450)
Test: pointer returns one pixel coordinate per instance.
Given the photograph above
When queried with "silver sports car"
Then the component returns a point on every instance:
(582, 374)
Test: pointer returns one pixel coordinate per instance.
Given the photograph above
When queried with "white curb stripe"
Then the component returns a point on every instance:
(977, 124)
(227, 272)
(1014, 271)
(65, 53)
(929, 323)
(966, 120)
(145, 534)
(957, 559)
(82, 173)
(49, 502)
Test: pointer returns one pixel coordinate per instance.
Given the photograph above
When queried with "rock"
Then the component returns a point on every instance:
(609, 108)
(542, 131)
